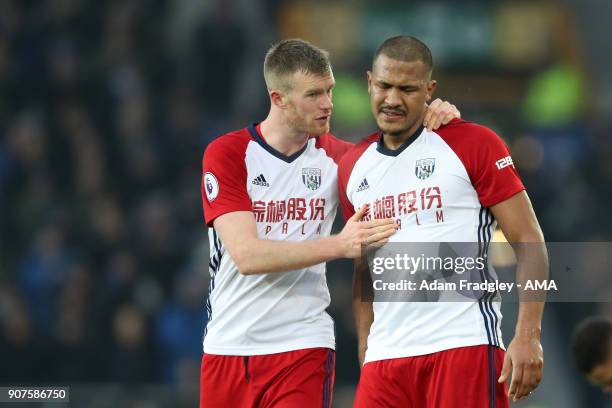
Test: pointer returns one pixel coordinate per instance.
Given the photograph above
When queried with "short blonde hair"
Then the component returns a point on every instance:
(287, 57)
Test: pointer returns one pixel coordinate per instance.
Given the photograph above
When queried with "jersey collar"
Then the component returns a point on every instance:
(259, 139)
(381, 148)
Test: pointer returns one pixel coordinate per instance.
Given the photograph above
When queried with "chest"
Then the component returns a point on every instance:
(426, 184)
(304, 189)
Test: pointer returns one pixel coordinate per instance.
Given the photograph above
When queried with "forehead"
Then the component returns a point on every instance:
(394, 71)
(302, 81)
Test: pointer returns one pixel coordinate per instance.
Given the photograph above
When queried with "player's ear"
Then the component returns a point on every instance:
(431, 88)
(277, 98)
(369, 76)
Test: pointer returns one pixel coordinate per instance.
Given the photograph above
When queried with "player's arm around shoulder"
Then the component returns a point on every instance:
(440, 113)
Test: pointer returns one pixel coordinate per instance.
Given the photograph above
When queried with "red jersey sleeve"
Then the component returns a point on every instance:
(486, 159)
(334, 147)
(224, 176)
(345, 168)
(347, 207)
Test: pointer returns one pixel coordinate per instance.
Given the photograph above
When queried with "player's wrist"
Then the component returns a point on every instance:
(333, 245)
(528, 332)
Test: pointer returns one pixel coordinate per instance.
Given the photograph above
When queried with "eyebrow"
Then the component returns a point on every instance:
(319, 90)
(403, 86)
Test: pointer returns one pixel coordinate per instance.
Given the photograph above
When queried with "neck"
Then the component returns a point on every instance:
(394, 142)
(281, 136)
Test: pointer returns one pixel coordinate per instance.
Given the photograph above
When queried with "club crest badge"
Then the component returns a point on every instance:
(311, 177)
(424, 168)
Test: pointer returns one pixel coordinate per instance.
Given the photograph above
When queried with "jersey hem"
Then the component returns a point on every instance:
(390, 353)
(258, 351)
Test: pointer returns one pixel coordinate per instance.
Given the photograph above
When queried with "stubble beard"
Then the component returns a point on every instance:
(396, 132)
(301, 125)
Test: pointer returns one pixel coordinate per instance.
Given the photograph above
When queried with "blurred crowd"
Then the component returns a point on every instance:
(102, 260)
(105, 110)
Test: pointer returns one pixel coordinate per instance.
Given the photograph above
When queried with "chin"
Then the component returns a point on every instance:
(390, 130)
(319, 130)
(393, 129)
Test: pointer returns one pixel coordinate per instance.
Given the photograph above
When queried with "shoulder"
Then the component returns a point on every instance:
(345, 168)
(231, 144)
(232, 140)
(485, 157)
(333, 146)
(460, 134)
(355, 152)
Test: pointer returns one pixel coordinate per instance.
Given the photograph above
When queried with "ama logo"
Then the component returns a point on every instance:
(541, 285)
(211, 186)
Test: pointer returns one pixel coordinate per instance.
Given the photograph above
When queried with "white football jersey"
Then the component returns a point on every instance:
(438, 187)
(293, 198)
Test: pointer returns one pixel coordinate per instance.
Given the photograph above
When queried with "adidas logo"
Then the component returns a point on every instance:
(363, 186)
(260, 181)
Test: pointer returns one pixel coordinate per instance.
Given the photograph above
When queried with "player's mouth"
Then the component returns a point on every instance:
(392, 114)
(322, 119)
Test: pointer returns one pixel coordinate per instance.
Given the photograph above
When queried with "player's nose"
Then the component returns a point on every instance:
(392, 97)
(327, 103)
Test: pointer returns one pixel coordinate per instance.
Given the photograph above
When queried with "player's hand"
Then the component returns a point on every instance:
(356, 235)
(525, 358)
(439, 113)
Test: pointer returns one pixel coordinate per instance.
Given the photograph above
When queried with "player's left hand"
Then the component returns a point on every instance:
(525, 358)
(439, 113)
